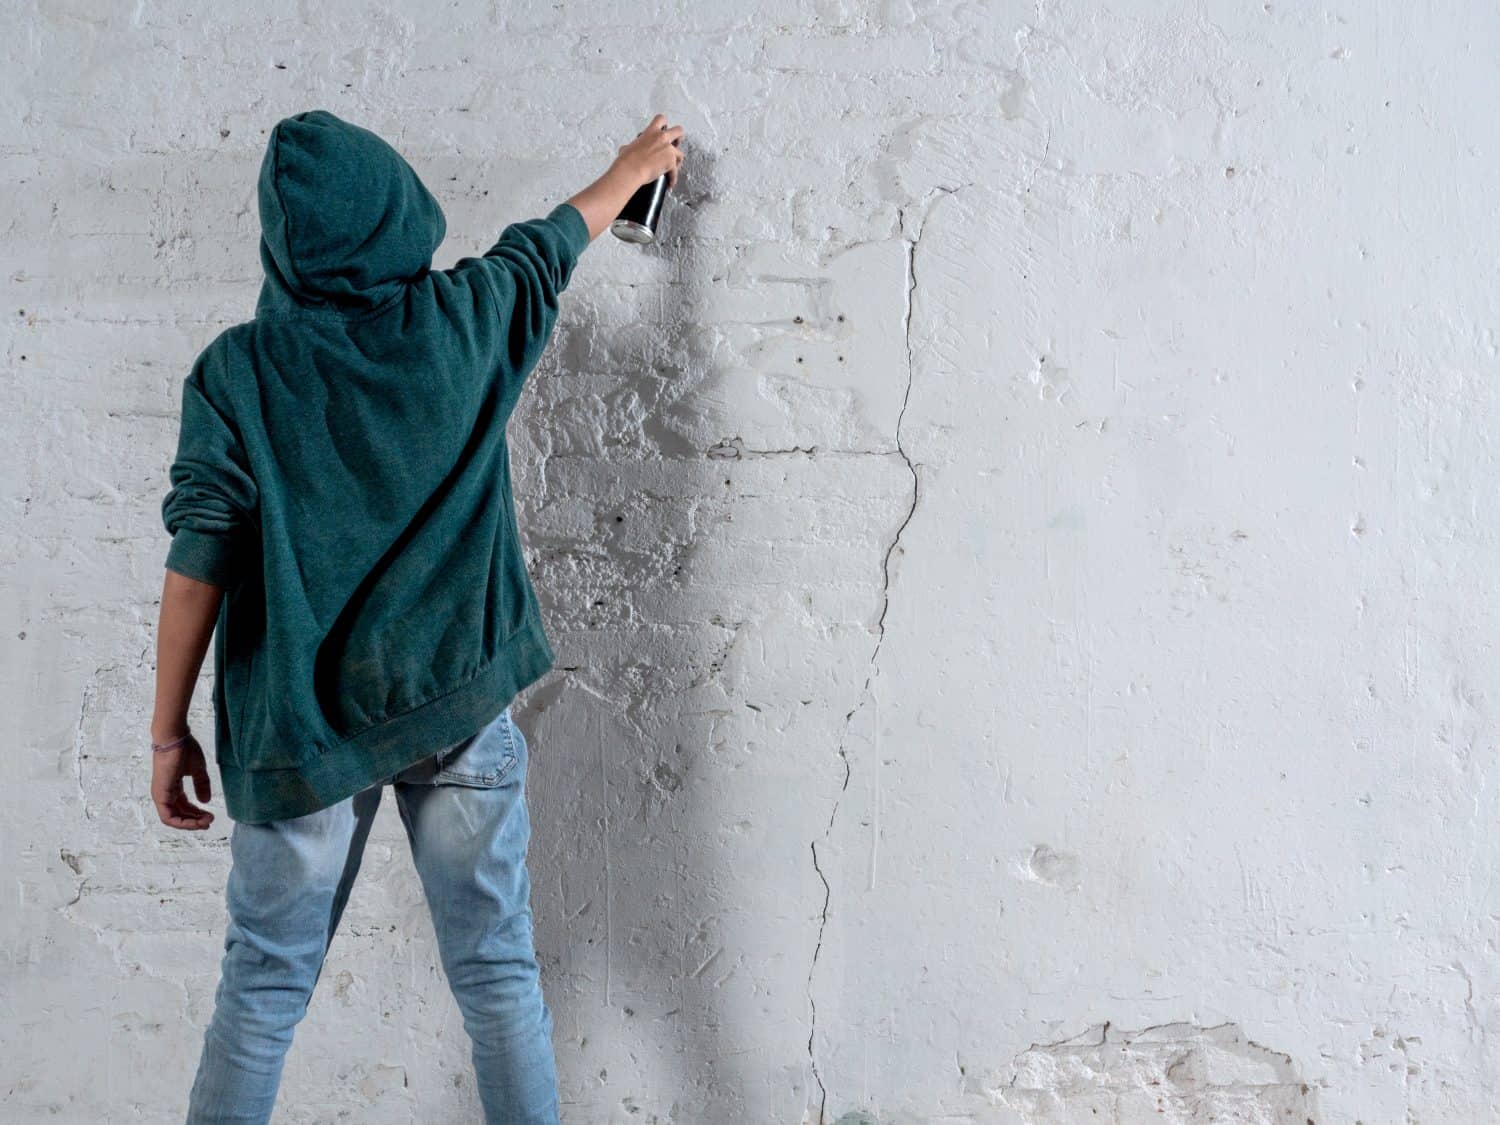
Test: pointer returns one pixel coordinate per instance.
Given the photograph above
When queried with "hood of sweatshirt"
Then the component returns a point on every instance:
(345, 221)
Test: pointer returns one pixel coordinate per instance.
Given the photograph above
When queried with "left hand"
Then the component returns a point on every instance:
(169, 770)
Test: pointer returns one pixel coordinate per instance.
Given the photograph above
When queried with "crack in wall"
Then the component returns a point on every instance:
(735, 449)
(911, 288)
(86, 707)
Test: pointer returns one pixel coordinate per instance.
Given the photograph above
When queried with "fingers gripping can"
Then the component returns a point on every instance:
(638, 220)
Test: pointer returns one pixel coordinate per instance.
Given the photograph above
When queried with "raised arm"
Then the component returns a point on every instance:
(532, 262)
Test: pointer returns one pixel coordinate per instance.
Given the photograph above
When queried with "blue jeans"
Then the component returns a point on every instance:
(464, 809)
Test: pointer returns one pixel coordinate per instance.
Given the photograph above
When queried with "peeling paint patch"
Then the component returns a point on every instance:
(1172, 1072)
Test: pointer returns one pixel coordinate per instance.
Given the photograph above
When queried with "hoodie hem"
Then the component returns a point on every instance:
(380, 752)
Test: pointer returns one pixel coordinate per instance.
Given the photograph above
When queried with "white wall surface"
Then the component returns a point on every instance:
(1021, 555)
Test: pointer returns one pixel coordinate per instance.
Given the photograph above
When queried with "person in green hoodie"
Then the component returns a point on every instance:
(342, 526)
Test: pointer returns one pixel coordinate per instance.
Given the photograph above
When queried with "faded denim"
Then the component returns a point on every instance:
(464, 809)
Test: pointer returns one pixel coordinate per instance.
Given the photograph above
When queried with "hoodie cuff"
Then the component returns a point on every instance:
(202, 555)
(574, 228)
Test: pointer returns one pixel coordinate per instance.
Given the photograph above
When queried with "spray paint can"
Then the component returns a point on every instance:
(638, 221)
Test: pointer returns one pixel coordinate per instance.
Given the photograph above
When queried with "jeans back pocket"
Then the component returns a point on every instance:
(484, 759)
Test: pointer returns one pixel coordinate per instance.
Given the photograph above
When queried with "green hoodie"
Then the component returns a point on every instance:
(342, 471)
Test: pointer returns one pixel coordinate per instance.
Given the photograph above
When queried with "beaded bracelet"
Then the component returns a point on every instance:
(159, 747)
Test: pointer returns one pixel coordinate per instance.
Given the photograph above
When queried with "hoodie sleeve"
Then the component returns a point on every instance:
(527, 269)
(211, 505)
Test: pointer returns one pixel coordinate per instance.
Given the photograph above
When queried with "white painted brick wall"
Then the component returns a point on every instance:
(1136, 767)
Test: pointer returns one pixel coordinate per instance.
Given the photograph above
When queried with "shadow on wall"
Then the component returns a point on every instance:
(629, 889)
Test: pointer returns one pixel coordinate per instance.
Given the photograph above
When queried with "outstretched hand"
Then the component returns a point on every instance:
(656, 150)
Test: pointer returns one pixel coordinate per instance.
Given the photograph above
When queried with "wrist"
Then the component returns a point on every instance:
(625, 175)
(166, 729)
